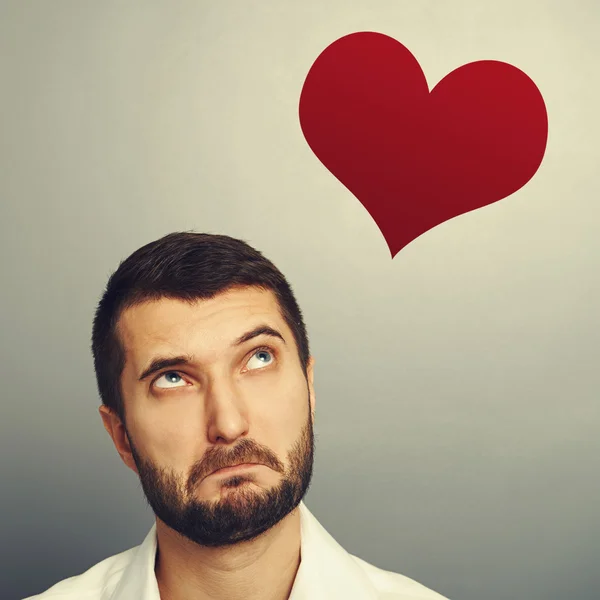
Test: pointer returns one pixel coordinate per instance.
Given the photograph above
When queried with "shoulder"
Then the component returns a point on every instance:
(394, 586)
(97, 583)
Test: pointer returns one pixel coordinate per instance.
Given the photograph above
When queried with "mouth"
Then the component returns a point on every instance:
(240, 467)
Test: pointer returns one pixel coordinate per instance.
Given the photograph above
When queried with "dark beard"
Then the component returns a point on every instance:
(245, 512)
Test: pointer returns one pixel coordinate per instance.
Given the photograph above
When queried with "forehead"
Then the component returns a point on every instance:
(203, 323)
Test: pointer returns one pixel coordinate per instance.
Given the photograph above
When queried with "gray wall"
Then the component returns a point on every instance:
(457, 408)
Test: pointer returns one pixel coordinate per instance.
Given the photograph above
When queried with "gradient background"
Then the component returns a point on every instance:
(457, 411)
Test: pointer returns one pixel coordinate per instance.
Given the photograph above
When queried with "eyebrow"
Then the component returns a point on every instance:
(164, 362)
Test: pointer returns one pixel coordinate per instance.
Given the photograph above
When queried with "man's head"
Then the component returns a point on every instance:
(202, 361)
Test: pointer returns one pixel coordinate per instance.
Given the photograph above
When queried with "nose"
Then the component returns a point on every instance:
(226, 411)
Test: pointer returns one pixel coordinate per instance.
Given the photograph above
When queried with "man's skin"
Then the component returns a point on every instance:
(220, 535)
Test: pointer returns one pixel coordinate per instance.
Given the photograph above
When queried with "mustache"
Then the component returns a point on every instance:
(246, 451)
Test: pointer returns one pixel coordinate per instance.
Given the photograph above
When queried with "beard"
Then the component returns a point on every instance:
(244, 510)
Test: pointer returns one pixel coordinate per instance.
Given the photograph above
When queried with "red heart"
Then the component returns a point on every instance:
(413, 158)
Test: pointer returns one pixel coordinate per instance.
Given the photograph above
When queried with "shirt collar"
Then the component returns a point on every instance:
(326, 570)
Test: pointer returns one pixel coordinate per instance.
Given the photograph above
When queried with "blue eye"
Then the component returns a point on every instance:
(169, 375)
(264, 355)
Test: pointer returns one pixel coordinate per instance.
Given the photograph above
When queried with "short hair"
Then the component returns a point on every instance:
(188, 266)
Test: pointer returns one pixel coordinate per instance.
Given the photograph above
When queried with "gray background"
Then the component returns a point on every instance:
(457, 409)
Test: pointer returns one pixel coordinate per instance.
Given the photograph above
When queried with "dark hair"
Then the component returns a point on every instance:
(187, 266)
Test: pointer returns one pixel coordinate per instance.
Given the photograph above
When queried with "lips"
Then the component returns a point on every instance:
(234, 468)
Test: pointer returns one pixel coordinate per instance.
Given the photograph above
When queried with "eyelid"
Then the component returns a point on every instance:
(268, 349)
(271, 350)
(251, 354)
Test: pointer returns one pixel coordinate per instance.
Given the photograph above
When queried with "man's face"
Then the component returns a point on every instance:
(232, 403)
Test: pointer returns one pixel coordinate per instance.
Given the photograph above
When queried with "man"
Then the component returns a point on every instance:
(203, 367)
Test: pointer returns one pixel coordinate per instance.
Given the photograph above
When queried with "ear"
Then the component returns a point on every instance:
(116, 430)
(311, 388)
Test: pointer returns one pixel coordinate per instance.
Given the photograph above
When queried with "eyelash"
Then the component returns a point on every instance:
(267, 348)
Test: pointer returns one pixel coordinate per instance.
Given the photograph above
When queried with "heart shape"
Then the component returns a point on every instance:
(415, 158)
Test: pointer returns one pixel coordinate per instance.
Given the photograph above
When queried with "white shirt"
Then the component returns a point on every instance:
(326, 572)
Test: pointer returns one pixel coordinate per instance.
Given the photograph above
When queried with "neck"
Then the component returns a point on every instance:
(262, 568)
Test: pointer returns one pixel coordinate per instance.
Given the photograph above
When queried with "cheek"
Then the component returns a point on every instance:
(280, 391)
(169, 441)
(279, 408)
